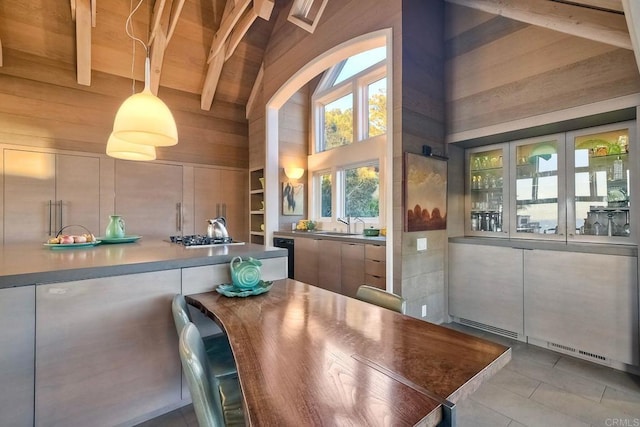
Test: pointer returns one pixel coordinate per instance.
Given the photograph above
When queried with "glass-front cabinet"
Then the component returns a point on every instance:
(600, 183)
(573, 186)
(538, 188)
(486, 183)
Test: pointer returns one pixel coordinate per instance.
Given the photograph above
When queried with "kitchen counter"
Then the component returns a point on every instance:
(28, 264)
(353, 238)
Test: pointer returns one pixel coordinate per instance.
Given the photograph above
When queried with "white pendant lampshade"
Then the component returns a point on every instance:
(144, 119)
(121, 149)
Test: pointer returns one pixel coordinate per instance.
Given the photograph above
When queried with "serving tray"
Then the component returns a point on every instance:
(125, 239)
(71, 245)
(230, 290)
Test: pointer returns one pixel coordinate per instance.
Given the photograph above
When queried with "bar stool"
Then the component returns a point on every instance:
(381, 298)
(216, 401)
(216, 346)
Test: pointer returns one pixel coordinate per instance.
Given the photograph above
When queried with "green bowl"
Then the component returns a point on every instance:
(370, 232)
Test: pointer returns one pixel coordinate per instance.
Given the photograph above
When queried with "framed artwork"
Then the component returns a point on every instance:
(425, 193)
(292, 198)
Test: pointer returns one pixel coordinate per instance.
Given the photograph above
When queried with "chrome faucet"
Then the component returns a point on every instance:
(347, 222)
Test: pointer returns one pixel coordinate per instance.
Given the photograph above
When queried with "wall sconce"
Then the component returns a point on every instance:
(294, 173)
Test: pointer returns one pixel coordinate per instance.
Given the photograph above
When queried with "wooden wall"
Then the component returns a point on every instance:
(499, 70)
(41, 105)
(293, 133)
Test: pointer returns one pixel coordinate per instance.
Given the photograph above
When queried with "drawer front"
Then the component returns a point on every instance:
(375, 268)
(376, 252)
(376, 281)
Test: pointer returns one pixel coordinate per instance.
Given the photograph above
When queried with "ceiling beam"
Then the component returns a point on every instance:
(239, 31)
(0, 53)
(164, 20)
(254, 91)
(592, 24)
(263, 8)
(83, 41)
(632, 15)
(229, 20)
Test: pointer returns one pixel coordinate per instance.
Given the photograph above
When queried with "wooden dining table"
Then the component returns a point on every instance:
(308, 356)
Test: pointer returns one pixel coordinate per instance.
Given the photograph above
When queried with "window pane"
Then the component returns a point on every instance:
(362, 192)
(338, 122)
(378, 107)
(325, 203)
(360, 62)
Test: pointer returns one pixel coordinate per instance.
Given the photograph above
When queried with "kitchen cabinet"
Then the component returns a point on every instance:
(106, 349)
(570, 187)
(352, 268)
(17, 338)
(375, 266)
(329, 265)
(306, 260)
(256, 206)
(583, 303)
(486, 286)
(221, 192)
(149, 198)
(44, 191)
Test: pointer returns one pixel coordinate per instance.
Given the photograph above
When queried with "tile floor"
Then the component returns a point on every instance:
(538, 387)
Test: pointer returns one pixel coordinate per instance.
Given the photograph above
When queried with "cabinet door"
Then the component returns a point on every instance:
(220, 192)
(352, 266)
(487, 186)
(149, 198)
(538, 188)
(17, 335)
(78, 192)
(329, 271)
(602, 165)
(106, 349)
(29, 196)
(587, 302)
(486, 285)
(306, 260)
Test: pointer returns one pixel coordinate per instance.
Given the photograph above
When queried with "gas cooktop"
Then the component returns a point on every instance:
(199, 241)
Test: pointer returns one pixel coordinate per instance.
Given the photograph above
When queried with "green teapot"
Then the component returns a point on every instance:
(245, 274)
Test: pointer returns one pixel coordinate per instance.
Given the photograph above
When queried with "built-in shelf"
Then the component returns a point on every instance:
(256, 206)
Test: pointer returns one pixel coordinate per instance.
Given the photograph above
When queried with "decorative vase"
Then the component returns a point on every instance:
(245, 274)
(115, 229)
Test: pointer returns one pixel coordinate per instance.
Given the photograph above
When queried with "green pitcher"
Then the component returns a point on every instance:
(245, 274)
(115, 228)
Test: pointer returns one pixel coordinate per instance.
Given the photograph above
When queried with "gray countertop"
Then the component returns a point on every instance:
(353, 238)
(28, 264)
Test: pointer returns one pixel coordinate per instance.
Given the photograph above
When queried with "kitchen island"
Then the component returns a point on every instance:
(87, 335)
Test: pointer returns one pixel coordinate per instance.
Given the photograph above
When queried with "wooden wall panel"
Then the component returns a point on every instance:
(499, 71)
(41, 105)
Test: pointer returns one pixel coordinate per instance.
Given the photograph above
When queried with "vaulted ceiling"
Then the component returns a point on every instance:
(215, 48)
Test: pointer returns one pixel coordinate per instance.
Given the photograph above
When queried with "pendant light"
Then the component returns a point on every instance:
(121, 149)
(142, 120)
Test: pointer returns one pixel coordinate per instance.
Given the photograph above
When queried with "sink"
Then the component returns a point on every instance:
(336, 233)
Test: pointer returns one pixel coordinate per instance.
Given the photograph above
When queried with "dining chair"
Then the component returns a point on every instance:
(381, 298)
(216, 346)
(216, 401)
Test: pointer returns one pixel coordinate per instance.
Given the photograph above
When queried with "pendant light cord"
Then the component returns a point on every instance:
(130, 32)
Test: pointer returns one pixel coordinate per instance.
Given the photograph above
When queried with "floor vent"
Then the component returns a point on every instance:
(489, 328)
(562, 347)
(595, 356)
(575, 352)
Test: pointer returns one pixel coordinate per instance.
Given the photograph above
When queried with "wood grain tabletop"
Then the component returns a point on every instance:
(307, 356)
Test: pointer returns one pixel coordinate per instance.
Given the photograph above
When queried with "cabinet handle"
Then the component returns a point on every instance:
(50, 218)
(61, 223)
(224, 210)
(179, 216)
(217, 209)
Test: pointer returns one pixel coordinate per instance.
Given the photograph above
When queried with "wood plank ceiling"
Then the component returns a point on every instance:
(215, 48)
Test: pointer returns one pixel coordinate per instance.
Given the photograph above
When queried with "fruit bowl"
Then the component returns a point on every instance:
(65, 240)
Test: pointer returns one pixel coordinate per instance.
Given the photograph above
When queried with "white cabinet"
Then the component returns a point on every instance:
(486, 285)
(17, 334)
(149, 198)
(45, 191)
(585, 303)
(221, 192)
(106, 349)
